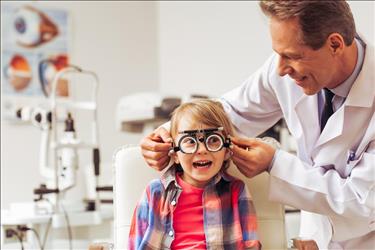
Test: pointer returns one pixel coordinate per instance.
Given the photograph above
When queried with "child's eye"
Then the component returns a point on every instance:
(190, 141)
(213, 139)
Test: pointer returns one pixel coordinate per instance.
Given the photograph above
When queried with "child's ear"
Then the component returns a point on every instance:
(175, 158)
(228, 154)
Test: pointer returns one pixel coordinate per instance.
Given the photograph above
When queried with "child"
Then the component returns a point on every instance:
(195, 204)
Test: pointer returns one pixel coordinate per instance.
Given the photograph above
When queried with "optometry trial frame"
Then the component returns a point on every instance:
(213, 141)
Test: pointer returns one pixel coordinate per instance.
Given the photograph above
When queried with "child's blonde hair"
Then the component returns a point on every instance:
(204, 111)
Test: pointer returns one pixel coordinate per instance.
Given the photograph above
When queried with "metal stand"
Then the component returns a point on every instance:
(56, 142)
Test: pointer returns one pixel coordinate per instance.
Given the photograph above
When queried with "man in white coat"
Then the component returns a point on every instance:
(321, 81)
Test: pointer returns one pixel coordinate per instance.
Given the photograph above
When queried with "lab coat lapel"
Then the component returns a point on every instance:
(307, 113)
(333, 128)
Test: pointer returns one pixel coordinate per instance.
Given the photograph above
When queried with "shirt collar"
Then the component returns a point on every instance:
(344, 88)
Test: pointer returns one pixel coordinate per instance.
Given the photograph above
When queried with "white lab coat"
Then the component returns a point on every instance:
(339, 195)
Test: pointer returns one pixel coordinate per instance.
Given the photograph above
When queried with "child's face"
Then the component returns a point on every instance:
(202, 165)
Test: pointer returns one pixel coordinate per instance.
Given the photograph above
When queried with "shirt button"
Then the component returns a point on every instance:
(173, 202)
(170, 233)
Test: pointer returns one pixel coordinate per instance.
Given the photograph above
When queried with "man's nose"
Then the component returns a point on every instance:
(283, 67)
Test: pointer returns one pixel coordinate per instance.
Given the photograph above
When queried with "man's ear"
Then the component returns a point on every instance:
(336, 43)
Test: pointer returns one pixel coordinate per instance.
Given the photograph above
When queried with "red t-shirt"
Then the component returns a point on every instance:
(188, 218)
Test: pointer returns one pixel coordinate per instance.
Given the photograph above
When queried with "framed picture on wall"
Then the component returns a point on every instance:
(35, 46)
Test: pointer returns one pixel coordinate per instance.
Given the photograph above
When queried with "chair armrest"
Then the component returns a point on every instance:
(304, 244)
(101, 246)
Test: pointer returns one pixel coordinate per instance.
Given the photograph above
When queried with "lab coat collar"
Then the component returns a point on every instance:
(359, 94)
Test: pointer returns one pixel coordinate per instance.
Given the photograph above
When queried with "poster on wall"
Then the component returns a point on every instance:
(35, 43)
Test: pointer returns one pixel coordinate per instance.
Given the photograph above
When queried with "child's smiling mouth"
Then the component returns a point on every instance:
(202, 164)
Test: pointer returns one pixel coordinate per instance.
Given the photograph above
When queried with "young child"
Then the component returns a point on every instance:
(195, 204)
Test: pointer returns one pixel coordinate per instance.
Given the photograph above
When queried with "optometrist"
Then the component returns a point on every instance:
(321, 81)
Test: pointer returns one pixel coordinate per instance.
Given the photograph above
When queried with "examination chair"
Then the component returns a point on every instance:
(131, 175)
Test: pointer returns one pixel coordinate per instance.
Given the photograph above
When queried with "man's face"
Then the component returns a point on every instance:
(311, 69)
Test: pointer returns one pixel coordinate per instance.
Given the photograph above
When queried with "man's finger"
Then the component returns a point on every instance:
(160, 164)
(153, 164)
(164, 162)
(161, 135)
(164, 134)
(242, 142)
(240, 163)
(155, 155)
(149, 144)
(243, 167)
(239, 152)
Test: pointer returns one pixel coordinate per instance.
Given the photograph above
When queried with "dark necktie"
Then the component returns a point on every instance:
(327, 109)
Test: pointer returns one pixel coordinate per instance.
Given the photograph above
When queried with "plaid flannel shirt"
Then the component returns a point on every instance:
(228, 211)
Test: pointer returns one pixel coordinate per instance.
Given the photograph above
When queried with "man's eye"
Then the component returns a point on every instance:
(296, 57)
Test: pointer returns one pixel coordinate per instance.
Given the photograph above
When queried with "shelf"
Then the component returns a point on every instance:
(76, 105)
(76, 145)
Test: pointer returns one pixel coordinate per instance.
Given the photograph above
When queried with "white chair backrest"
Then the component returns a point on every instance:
(270, 215)
(132, 175)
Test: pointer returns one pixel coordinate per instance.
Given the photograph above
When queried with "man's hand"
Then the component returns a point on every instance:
(251, 156)
(155, 148)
